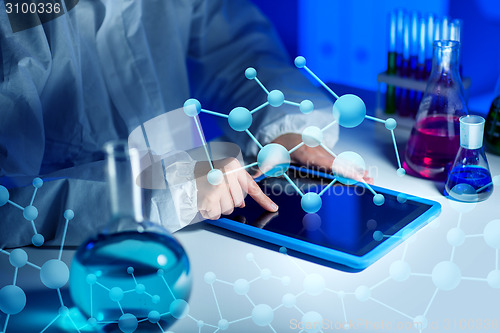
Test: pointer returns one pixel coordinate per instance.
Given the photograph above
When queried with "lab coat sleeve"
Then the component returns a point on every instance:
(228, 36)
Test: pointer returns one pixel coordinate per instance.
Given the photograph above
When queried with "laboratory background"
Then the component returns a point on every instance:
(442, 276)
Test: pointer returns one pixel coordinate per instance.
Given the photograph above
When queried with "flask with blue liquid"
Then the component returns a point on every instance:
(469, 179)
(134, 275)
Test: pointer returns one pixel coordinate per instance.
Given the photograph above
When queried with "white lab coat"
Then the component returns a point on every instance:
(107, 66)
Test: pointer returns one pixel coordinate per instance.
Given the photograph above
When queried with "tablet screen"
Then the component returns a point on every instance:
(346, 221)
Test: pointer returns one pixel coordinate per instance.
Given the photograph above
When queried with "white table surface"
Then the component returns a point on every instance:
(394, 303)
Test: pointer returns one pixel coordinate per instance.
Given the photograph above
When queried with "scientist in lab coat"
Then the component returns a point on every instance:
(107, 66)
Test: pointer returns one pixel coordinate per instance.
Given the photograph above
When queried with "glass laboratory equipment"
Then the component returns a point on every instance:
(435, 137)
(390, 95)
(469, 179)
(128, 276)
(492, 128)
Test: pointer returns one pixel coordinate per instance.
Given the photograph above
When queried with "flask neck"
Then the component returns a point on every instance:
(122, 168)
(445, 59)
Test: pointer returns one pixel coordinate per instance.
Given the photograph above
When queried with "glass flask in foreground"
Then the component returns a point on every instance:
(134, 276)
(435, 138)
(469, 179)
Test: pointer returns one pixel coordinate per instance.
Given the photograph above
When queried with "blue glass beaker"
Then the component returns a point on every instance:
(469, 179)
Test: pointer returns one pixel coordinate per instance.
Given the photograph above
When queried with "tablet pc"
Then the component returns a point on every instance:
(349, 229)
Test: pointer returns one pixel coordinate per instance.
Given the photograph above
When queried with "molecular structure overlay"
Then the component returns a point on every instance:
(128, 322)
(54, 273)
(446, 276)
(274, 159)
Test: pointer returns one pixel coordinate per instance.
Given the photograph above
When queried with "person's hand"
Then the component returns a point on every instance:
(214, 200)
(317, 157)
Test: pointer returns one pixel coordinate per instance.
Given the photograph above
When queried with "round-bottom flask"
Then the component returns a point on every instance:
(134, 276)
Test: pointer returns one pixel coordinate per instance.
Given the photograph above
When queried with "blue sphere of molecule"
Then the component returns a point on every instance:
(401, 172)
(402, 198)
(273, 160)
(347, 166)
(390, 124)
(179, 308)
(300, 62)
(350, 109)
(311, 202)
(4, 195)
(215, 177)
(378, 235)
(92, 322)
(69, 214)
(12, 300)
(54, 274)
(306, 106)
(276, 98)
(378, 199)
(312, 136)
(140, 288)
(63, 310)
(128, 323)
(30, 213)
(446, 275)
(262, 315)
(223, 324)
(18, 258)
(240, 119)
(250, 73)
(154, 317)
(130, 270)
(192, 107)
(116, 294)
(91, 279)
(37, 182)
(155, 299)
(37, 240)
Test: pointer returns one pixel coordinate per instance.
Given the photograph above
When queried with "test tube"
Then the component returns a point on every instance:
(455, 34)
(421, 65)
(414, 43)
(403, 104)
(445, 31)
(390, 97)
(428, 44)
(437, 29)
(456, 30)
(399, 53)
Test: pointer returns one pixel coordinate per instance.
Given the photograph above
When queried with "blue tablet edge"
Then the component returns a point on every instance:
(350, 260)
